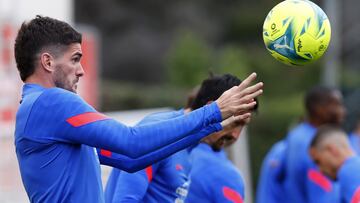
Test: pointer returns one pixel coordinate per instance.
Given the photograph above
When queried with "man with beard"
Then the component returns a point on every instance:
(303, 181)
(56, 130)
(213, 178)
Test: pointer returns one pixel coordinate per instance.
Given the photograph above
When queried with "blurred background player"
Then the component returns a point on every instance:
(355, 137)
(270, 187)
(56, 129)
(331, 151)
(304, 182)
(213, 178)
(167, 180)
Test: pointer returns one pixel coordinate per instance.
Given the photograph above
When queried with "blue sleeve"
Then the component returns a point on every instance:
(73, 120)
(132, 187)
(131, 165)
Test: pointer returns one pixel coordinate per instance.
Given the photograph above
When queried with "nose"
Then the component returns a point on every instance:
(80, 71)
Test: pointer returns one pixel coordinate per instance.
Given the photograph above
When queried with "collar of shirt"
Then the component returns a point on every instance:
(29, 88)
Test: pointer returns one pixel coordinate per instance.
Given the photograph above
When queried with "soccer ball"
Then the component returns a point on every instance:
(296, 32)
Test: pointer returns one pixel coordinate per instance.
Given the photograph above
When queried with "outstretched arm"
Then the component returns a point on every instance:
(131, 165)
(74, 121)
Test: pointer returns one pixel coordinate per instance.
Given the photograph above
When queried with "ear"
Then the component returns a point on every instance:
(312, 152)
(47, 62)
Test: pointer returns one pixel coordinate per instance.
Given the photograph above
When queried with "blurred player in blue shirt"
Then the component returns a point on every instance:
(304, 182)
(213, 177)
(167, 180)
(56, 130)
(331, 151)
(355, 138)
(270, 188)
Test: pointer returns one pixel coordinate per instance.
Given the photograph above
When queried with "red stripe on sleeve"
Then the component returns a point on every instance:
(232, 195)
(86, 118)
(179, 167)
(356, 196)
(105, 152)
(149, 174)
(320, 180)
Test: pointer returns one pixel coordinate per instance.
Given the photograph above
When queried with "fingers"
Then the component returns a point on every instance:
(234, 121)
(252, 89)
(245, 83)
(240, 118)
(239, 99)
(247, 107)
(250, 97)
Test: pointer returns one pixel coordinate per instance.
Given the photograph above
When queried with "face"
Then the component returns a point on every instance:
(334, 111)
(68, 68)
(223, 138)
(325, 160)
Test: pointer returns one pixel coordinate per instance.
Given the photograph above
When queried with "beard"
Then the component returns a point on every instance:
(61, 81)
(220, 143)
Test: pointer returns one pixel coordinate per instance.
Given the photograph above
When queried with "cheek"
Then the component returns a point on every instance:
(328, 161)
(72, 70)
(215, 137)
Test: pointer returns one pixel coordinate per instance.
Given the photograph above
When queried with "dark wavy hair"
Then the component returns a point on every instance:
(39, 34)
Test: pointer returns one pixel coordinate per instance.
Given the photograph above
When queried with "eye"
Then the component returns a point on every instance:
(76, 59)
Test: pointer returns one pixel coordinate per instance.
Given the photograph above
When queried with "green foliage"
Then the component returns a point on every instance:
(232, 59)
(188, 61)
(350, 78)
(123, 96)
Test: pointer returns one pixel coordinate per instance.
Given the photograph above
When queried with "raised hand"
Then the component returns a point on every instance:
(239, 99)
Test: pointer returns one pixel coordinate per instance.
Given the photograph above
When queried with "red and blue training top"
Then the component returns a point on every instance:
(304, 182)
(56, 132)
(213, 178)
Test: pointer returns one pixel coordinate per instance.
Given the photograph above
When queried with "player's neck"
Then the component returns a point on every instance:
(40, 80)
